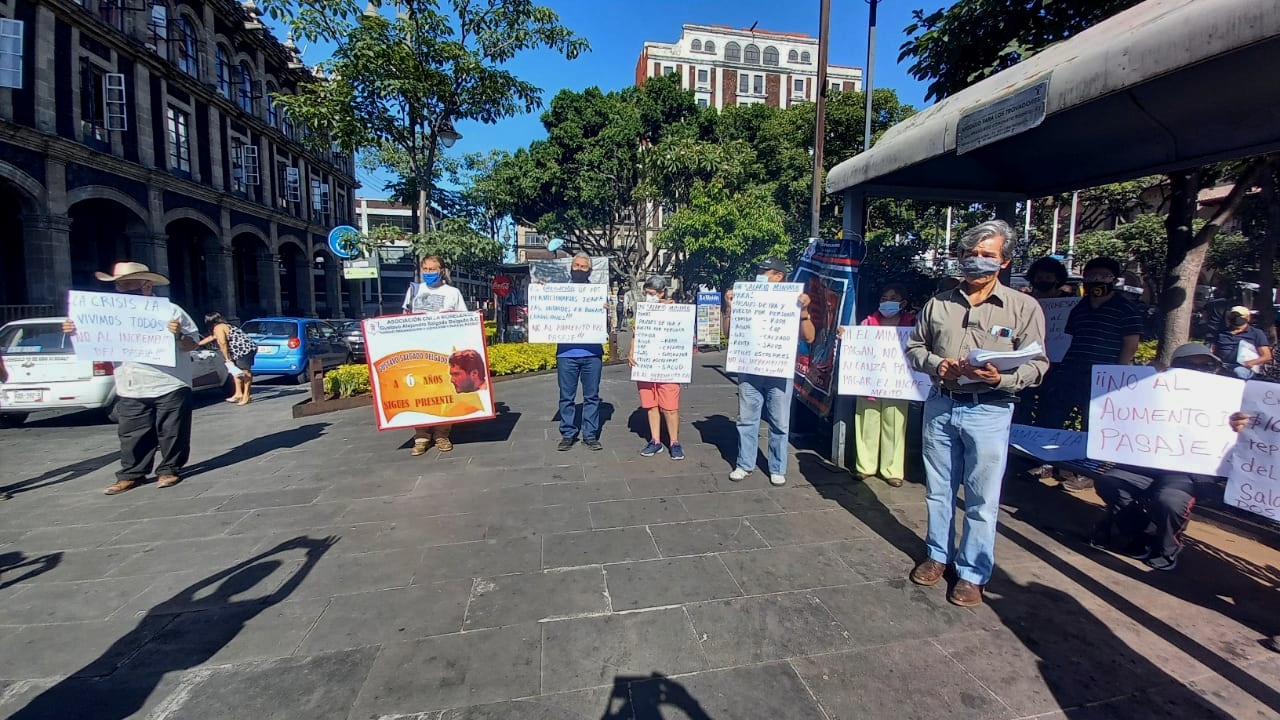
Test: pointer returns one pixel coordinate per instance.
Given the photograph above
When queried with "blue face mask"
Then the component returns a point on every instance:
(978, 267)
(431, 279)
(889, 308)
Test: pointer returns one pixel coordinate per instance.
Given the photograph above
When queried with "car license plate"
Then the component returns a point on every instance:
(267, 349)
(28, 396)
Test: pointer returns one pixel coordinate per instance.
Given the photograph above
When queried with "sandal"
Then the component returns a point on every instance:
(121, 486)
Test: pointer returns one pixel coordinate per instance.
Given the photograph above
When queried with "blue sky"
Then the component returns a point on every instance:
(617, 30)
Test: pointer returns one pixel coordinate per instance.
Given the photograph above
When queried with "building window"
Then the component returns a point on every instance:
(668, 69)
(835, 86)
(702, 102)
(757, 86)
(771, 56)
(704, 77)
(751, 55)
(11, 53)
(744, 84)
(111, 12)
(696, 46)
(93, 101)
(286, 125)
(291, 184)
(793, 56)
(179, 141)
(223, 63)
(799, 86)
(709, 47)
(533, 239)
(273, 115)
(733, 52)
(188, 49)
(158, 28)
(244, 87)
(804, 57)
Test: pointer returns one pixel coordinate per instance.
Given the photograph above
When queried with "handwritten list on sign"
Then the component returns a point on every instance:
(1056, 339)
(568, 313)
(873, 363)
(664, 343)
(122, 328)
(764, 329)
(1253, 483)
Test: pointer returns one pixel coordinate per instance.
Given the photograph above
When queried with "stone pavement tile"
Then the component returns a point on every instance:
(579, 705)
(912, 679)
(173, 593)
(547, 520)
(345, 574)
(479, 559)
(1170, 701)
(873, 559)
(801, 499)
(451, 671)
(147, 502)
(386, 616)
(230, 633)
(589, 652)
(625, 513)
(157, 530)
(297, 517)
(59, 650)
(594, 547)
(393, 509)
(467, 499)
(271, 498)
(755, 692)
(743, 631)
(69, 601)
(82, 698)
(808, 527)
(545, 458)
(641, 470)
(358, 487)
(524, 597)
(69, 537)
(656, 487)
(318, 687)
(480, 478)
(205, 554)
(574, 492)
(895, 610)
(705, 536)
(404, 533)
(707, 506)
(1239, 698)
(797, 567)
(76, 565)
(655, 583)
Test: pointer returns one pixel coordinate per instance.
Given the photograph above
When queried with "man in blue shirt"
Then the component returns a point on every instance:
(580, 364)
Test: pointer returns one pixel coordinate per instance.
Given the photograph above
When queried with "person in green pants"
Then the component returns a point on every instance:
(880, 425)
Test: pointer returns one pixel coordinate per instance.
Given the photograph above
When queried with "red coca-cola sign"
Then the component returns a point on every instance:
(502, 286)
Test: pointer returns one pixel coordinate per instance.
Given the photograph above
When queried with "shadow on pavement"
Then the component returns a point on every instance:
(722, 432)
(60, 475)
(642, 697)
(498, 429)
(12, 561)
(258, 447)
(115, 697)
(606, 414)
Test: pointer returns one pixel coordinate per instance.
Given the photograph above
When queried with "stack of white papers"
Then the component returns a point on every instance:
(1004, 360)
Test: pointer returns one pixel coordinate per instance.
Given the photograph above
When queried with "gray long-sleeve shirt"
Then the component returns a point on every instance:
(949, 327)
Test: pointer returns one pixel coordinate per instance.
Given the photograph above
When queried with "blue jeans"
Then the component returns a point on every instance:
(964, 444)
(570, 371)
(772, 396)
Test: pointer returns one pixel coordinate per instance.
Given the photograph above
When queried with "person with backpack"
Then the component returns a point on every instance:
(433, 295)
(237, 349)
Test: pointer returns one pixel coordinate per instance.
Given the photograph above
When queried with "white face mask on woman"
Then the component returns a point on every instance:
(650, 298)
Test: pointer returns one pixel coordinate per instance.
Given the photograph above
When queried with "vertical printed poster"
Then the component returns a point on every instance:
(663, 343)
(428, 369)
(709, 322)
(829, 272)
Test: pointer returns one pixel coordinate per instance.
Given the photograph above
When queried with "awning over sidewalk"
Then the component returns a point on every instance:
(1164, 85)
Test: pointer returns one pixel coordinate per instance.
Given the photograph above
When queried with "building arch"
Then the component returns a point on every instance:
(247, 229)
(190, 214)
(102, 192)
(771, 55)
(32, 196)
(751, 54)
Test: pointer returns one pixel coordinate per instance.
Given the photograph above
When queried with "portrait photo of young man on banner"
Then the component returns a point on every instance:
(428, 369)
(829, 272)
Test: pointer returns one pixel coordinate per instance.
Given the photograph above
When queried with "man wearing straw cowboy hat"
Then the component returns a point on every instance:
(153, 402)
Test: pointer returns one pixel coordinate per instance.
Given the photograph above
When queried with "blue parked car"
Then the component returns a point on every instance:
(286, 345)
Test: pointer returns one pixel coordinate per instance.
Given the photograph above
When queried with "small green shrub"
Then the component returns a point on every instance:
(347, 380)
(1146, 352)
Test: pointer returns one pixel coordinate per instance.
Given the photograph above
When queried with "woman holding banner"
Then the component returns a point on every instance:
(433, 295)
(880, 425)
(661, 401)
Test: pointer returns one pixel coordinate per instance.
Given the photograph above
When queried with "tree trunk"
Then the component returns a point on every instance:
(1185, 256)
(1267, 255)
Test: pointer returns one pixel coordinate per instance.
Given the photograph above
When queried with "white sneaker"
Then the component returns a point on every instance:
(739, 474)
(777, 479)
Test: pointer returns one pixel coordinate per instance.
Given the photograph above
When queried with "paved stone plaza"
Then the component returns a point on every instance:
(312, 569)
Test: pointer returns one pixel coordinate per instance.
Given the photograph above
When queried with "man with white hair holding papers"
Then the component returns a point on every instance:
(965, 438)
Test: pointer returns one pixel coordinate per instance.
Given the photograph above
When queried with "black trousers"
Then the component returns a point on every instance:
(1135, 502)
(1065, 388)
(150, 424)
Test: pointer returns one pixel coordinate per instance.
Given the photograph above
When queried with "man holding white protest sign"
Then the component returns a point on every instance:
(661, 359)
(767, 322)
(153, 398)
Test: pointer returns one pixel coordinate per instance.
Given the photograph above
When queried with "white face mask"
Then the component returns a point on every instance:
(762, 278)
(650, 298)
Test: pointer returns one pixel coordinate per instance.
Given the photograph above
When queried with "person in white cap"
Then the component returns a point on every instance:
(153, 402)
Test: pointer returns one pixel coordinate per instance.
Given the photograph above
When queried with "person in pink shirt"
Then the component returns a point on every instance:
(880, 425)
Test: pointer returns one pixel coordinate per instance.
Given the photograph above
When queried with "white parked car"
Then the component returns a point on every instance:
(45, 374)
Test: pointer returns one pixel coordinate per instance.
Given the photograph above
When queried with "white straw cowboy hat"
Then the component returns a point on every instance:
(132, 271)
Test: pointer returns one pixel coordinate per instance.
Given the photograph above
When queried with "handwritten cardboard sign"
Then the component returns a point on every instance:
(664, 343)
(1048, 445)
(1253, 482)
(112, 327)
(873, 363)
(1173, 420)
(764, 329)
(568, 313)
(1056, 339)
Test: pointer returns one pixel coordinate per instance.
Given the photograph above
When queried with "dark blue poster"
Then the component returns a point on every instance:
(829, 272)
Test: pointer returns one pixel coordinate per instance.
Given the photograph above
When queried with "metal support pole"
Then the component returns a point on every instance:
(820, 122)
(948, 231)
(1026, 226)
(855, 220)
(868, 80)
(1053, 242)
(1071, 232)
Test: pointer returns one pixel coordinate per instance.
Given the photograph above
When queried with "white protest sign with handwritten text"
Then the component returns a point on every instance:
(764, 329)
(112, 327)
(1173, 420)
(873, 363)
(1253, 483)
(664, 342)
(568, 313)
(1056, 339)
(1048, 445)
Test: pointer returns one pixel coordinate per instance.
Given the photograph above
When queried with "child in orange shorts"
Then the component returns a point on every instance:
(660, 400)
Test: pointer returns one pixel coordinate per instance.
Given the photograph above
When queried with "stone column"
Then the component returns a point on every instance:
(151, 249)
(303, 286)
(220, 269)
(269, 283)
(47, 251)
(333, 288)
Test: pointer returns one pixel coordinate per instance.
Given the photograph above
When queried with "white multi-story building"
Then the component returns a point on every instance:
(726, 67)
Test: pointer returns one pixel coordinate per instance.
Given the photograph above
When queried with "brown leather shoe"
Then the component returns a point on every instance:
(928, 572)
(165, 481)
(965, 594)
(893, 481)
(419, 447)
(121, 486)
